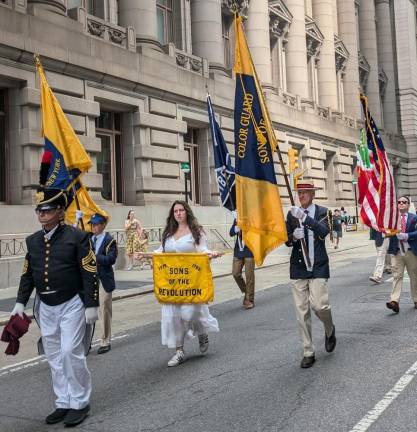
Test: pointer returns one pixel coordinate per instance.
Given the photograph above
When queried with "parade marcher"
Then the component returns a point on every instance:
(61, 266)
(243, 257)
(133, 230)
(310, 287)
(337, 228)
(183, 234)
(105, 248)
(403, 247)
(383, 258)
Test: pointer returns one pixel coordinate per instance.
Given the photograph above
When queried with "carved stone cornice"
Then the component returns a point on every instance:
(280, 19)
(314, 37)
(382, 80)
(364, 69)
(230, 7)
(341, 54)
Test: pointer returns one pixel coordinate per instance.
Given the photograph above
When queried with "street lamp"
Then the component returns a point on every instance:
(185, 168)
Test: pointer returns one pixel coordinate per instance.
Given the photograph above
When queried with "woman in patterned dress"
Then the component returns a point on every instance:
(133, 230)
(182, 321)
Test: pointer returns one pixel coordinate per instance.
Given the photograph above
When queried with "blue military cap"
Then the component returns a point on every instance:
(97, 219)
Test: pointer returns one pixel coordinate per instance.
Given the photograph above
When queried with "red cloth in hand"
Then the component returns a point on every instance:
(14, 330)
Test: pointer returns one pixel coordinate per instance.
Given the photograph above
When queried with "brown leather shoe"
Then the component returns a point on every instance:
(247, 304)
(394, 306)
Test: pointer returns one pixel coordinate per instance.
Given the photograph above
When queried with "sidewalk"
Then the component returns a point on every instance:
(138, 282)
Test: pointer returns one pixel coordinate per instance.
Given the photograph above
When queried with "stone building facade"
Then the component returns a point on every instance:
(131, 76)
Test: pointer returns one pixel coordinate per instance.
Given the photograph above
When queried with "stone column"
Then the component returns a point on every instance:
(296, 51)
(206, 27)
(386, 61)
(323, 15)
(57, 6)
(368, 47)
(141, 15)
(348, 35)
(257, 33)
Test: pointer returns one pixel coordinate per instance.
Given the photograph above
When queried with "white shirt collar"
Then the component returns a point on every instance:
(49, 234)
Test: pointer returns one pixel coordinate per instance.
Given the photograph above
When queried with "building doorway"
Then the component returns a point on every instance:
(193, 178)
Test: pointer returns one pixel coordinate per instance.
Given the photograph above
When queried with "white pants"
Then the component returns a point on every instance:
(62, 330)
(383, 259)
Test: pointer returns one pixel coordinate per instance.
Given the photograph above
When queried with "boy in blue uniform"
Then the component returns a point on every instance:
(105, 248)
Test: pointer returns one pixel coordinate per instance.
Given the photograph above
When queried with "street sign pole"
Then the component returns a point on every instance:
(354, 182)
(185, 168)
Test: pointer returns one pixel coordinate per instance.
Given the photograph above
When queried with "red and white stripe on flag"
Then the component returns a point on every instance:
(379, 207)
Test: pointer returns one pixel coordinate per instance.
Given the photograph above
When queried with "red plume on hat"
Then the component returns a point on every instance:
(45, 165)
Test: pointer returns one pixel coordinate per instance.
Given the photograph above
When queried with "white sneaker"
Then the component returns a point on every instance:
(177, 359)
(203, 342)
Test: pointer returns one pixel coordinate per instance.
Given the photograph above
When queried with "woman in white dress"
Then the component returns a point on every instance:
(179, 322)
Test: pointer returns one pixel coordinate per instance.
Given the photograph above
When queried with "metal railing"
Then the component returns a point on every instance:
(15, 245)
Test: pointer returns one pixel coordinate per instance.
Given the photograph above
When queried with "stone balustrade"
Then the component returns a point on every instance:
(124, 37)
(188, 61)
(17, 5)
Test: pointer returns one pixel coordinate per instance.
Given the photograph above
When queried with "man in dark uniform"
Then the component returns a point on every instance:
(310, 222)
(243, 257)
(61, 266)
(105, 248)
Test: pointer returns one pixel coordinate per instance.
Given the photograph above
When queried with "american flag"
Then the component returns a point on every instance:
(379, 207)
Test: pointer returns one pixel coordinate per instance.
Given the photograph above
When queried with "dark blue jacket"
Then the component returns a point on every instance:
(106, 257)
(320, 227)
(237, 253)
(411, 230)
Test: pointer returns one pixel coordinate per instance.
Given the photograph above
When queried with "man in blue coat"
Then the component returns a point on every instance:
(311, 223)
(403, 247)
(243, 257)
(105, 248)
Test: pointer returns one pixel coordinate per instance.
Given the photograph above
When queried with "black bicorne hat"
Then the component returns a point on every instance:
(49, 198)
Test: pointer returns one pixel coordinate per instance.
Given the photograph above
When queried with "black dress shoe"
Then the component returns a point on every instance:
(57, 416)
(394, 306)
(307, 362)
(75, 417)
(330, 342)
(104, 349)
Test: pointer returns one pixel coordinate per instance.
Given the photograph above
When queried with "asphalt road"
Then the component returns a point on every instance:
(250, 379)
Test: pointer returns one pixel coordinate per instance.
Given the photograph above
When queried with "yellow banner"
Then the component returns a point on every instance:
(182, 278)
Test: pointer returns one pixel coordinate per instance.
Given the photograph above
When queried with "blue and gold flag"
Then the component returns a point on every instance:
(65, 158)
(259, 207)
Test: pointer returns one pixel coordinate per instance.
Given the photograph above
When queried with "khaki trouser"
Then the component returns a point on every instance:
(248, 287)
(399, 262)
(312, 293)
(105, 316)
(383, 259)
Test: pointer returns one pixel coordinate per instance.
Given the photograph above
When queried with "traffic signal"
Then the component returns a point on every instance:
(293, 159)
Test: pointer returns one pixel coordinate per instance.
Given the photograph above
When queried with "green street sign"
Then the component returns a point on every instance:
(185, 167)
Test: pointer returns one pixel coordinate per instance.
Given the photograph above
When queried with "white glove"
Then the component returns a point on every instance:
(297, 212)
(298, 233)
(18, 309)
(78, 215)
(237, 229)
(91, 315)
(402, 236)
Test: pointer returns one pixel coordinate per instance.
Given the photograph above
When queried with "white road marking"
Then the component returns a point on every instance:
(373, 415)
(34, 361)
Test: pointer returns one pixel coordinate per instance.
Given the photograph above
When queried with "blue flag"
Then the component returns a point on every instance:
(225, 172)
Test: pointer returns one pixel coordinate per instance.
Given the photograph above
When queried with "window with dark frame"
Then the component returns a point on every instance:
(110, 159)
(193, 178)
(226, 26)
(165, 21)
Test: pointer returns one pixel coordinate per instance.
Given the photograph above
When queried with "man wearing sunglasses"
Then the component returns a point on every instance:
(403, 247)
(61, 266)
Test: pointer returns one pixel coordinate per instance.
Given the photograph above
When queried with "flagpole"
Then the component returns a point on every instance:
(287, 182)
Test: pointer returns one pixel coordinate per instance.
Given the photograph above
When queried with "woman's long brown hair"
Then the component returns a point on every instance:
(172, 225)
